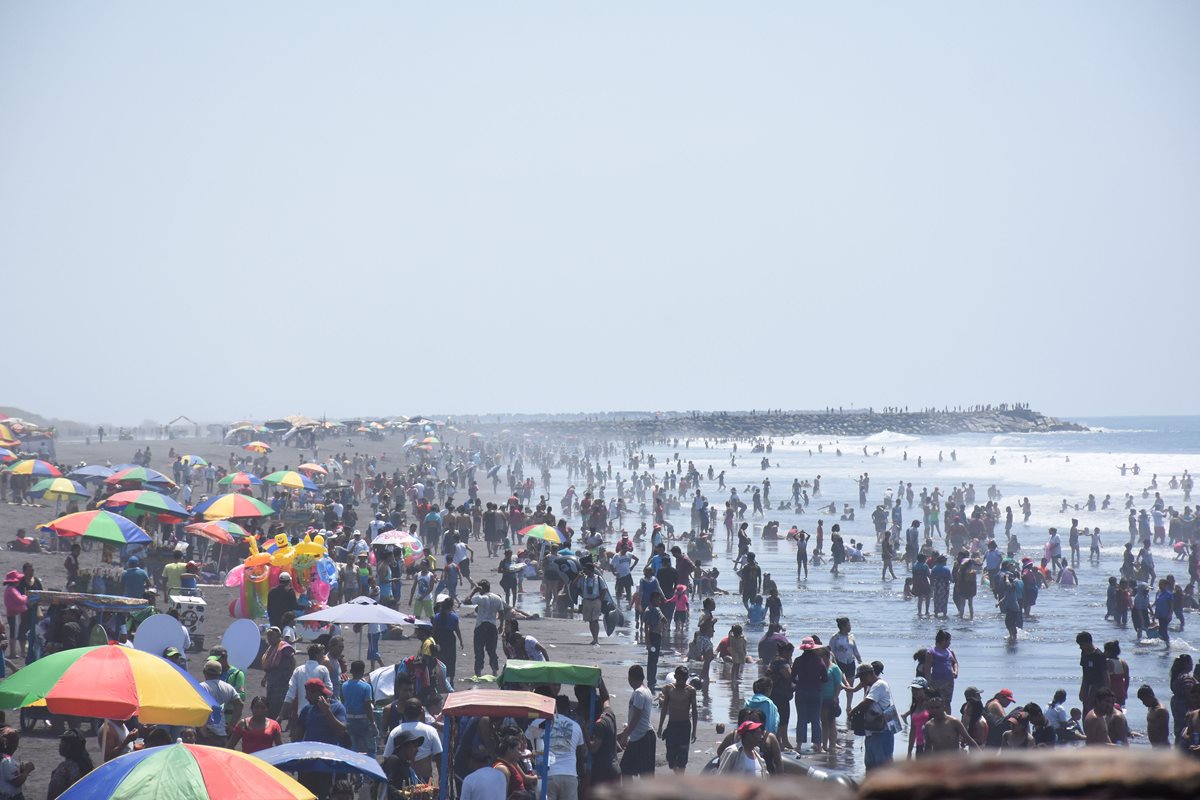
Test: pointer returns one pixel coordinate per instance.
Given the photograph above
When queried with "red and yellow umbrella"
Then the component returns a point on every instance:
(187, 772)
(222, 531)
(232, 506)
(34, 466)
(112, 682)
(312, 469)
(240, 479)
(257, 447)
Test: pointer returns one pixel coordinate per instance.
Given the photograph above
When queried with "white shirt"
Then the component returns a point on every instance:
(300, 675)
(486, 783)
(432, 746)
(622, 565)
(881, 693)
(460, 553)
(565, 737)
(642, 700)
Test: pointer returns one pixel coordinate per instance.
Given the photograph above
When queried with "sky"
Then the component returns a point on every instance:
(233, 209)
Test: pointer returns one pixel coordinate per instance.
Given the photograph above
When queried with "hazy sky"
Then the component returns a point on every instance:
(231, 209)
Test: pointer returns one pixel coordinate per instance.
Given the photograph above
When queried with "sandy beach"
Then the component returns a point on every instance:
(566, 639)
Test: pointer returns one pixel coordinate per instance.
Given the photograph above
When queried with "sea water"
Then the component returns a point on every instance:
(1046, 468)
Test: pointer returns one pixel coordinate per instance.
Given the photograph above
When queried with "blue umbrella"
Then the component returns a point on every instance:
(320, 757)
(92, 472)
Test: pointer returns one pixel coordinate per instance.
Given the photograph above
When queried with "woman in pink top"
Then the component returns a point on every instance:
(15, 605)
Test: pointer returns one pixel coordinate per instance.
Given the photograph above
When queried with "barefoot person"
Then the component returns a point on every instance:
(944, 733)
(680, 714)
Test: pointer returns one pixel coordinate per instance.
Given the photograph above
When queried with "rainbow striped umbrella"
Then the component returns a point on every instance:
(143, 501)
(139, 475)
(34, 466)
(257, 447)
(58, 489)
(109, 681)
(547, 533)
(6, 437)
(231, 506)
(290, 479)
(187, 772)
(312, 469)
(7, 456)
(222, 531)
(240, 479)
(431, 440)
(103, 525)
(192, 461)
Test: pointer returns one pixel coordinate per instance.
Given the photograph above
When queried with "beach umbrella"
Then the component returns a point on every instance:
(240, 479)
(7, 456)
(231, 506)
(221, 531)
(35, 467)
(290, 479)
(361, 610)
(109, 681)
(494, 471)
(397, 537)
(6, 437)
(139, 475)
(547, 533)
(192, 461)
(431, 440)
(312, 469)
(144, 501)
(91, 472)
(321, 757)
(103, 525)
(58, 489)
(257, 447)
(187, 772)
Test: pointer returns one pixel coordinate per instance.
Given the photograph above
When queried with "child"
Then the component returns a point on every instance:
(774, 606)
(737, 652)
(1123, 602)
(680, 602)
(757, 611)
(908, 593)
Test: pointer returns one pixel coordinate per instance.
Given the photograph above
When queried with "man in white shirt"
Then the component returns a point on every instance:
(214, 732)
(566, 749)
(430, 749)
(294, 701)
(878, 745)
(637, 738)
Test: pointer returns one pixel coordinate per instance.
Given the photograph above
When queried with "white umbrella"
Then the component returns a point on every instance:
(362, 610)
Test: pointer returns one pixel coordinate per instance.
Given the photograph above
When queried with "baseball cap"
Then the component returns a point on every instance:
(919, 683)
(747, 726)
(317, 683)
(1006, 694)
(972, 693)
(171, 652)
(285, 577)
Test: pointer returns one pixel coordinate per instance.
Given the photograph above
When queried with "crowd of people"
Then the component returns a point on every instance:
(804, 692)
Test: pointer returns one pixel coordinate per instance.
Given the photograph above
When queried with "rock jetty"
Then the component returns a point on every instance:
(741, 425)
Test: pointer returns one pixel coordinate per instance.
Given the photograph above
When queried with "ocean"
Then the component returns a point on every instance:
(1047, 468)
